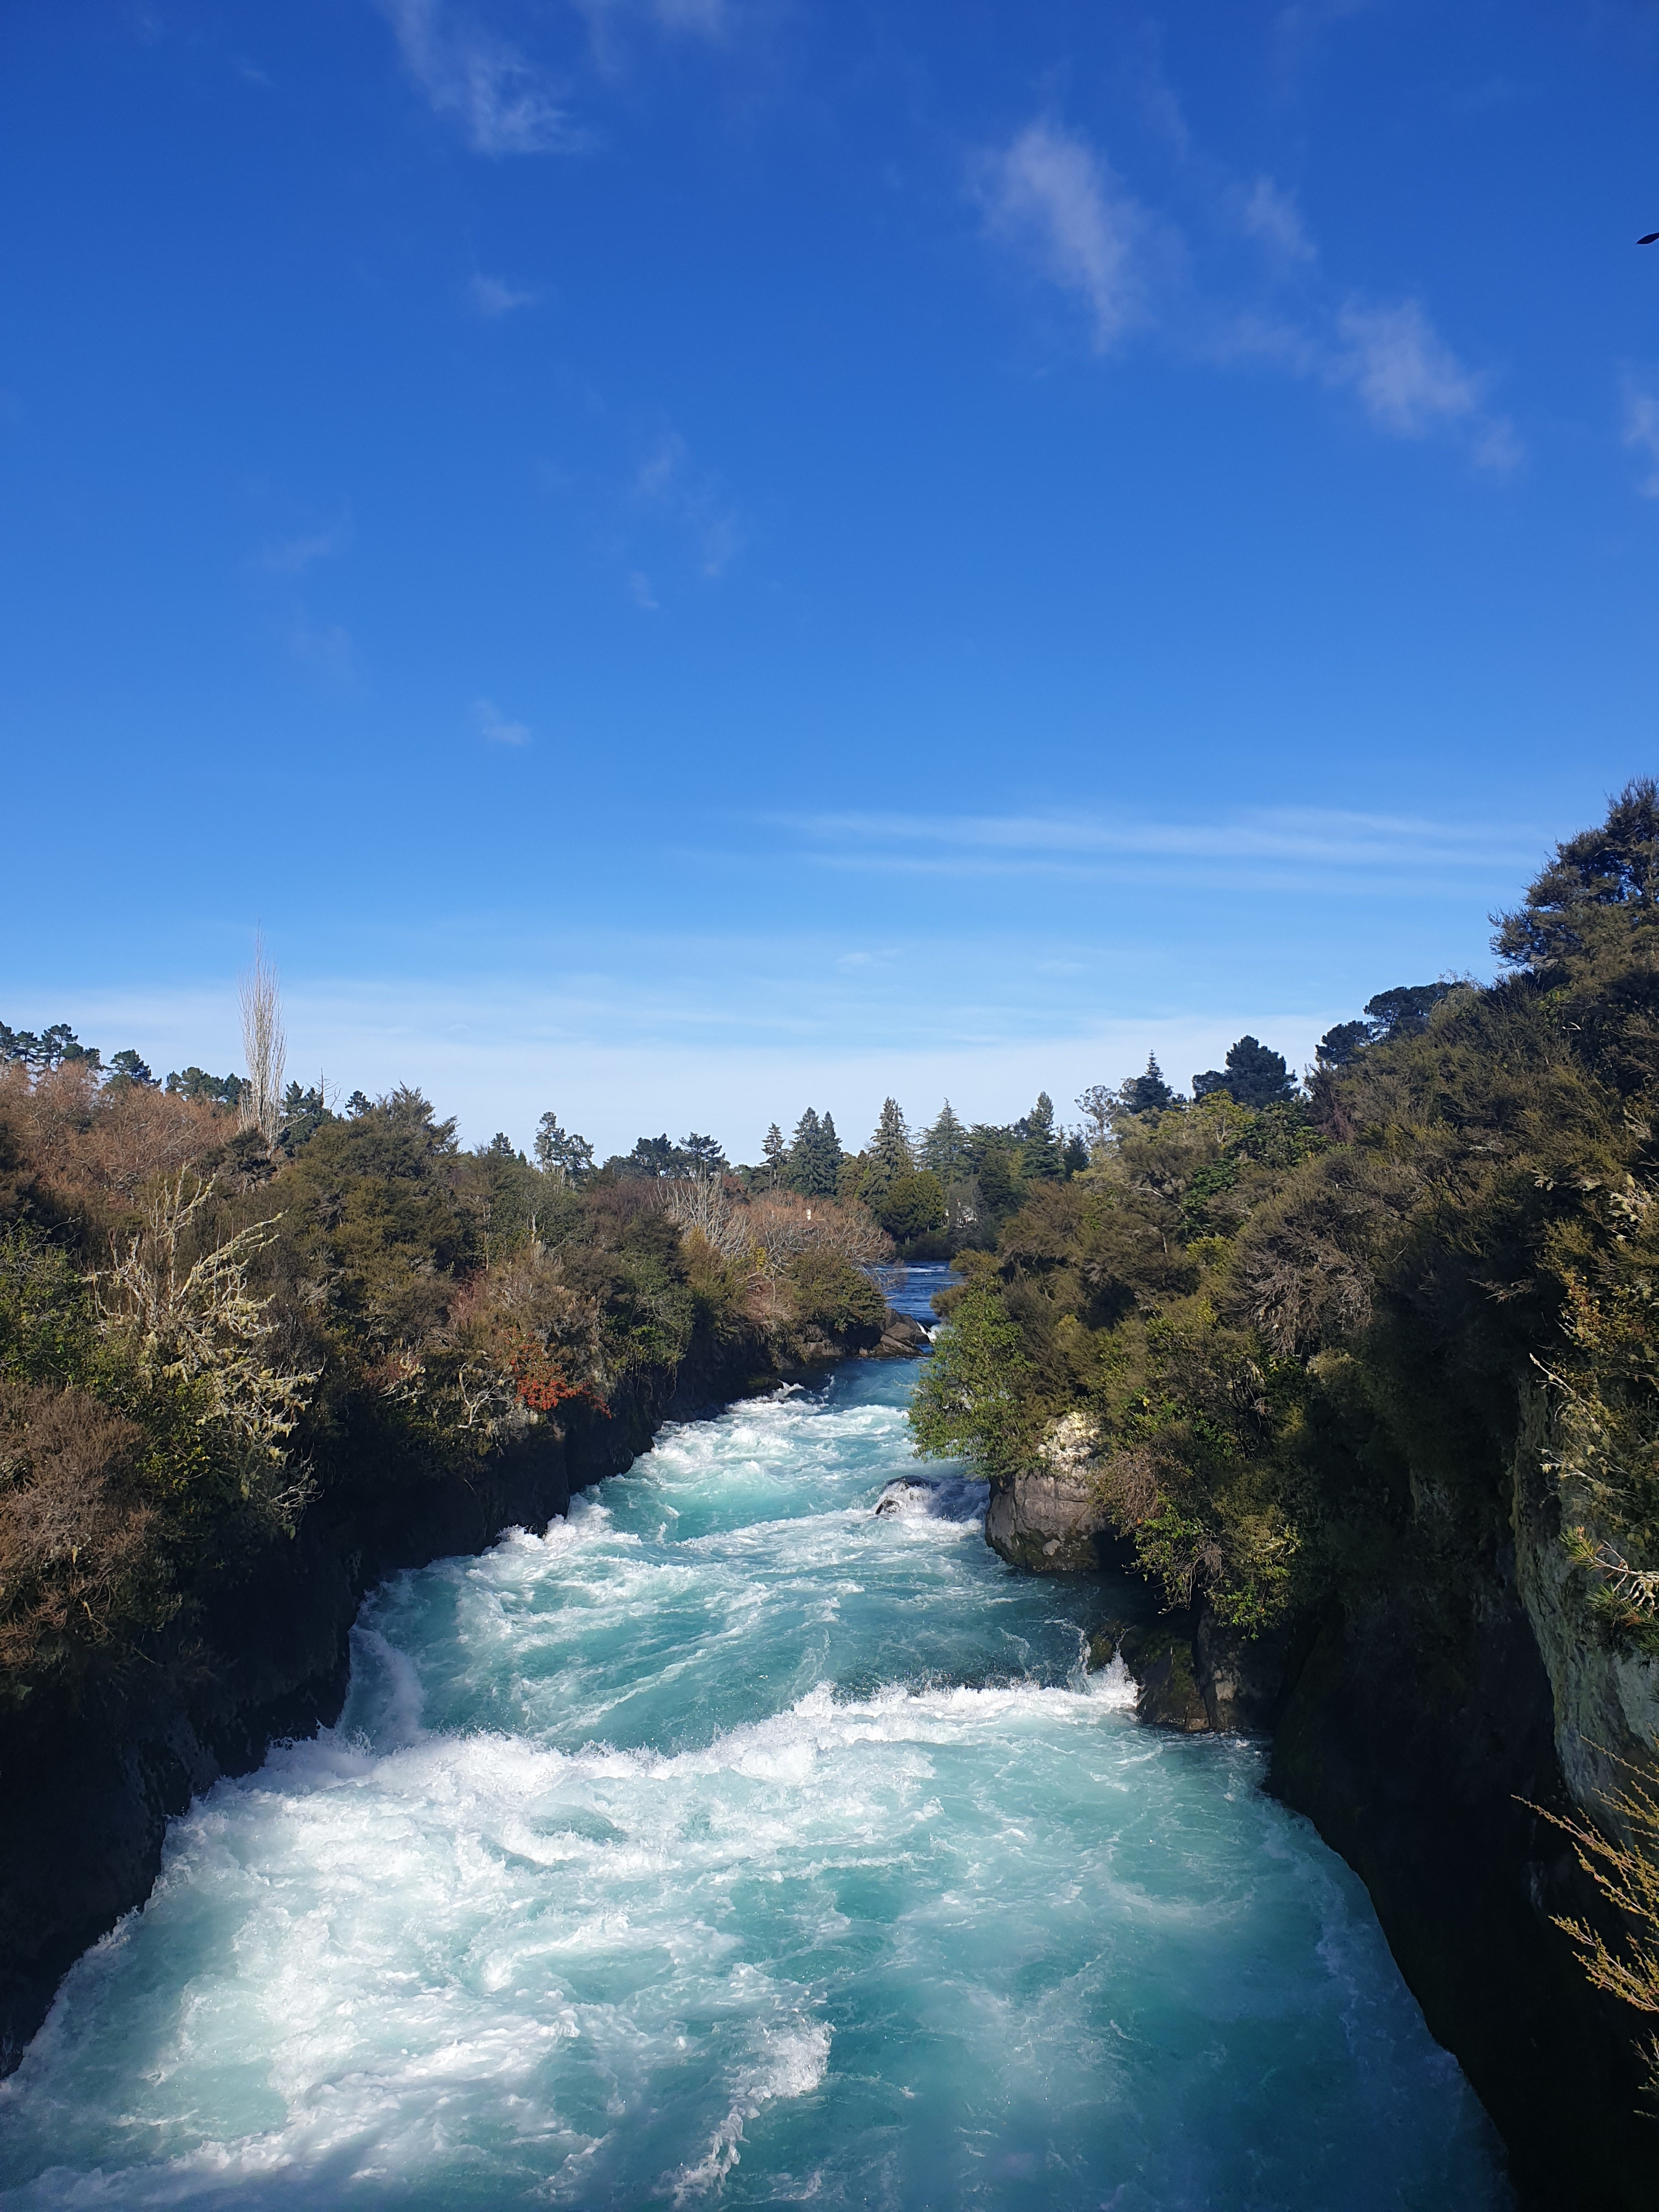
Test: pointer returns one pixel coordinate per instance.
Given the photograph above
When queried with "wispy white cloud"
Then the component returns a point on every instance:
(1049, 195)
(716, 21)
(493, 296)
(1641, 432)
(670, 480)
(503, 103)
(1410, 382)
(1279, 849)
(1270, 213)
(291, 557)
(639, 587)
(495, 727)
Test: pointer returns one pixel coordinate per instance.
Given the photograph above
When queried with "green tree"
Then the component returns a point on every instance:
(1600, 886)
(1150, 1093)
(1255, 1077)
(801, 1172)
(970, 1400)
(127, 1067)
(1043, 1156)
(913, 1206)
(195, 1083)
(889, 1156)
(815, 1157)
(943, 1148)
(776, 1153)
(560, 1152)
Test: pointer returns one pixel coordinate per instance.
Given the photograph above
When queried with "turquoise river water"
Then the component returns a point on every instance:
(732, 1845)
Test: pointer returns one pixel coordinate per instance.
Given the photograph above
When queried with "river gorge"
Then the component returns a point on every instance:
(737, 1841)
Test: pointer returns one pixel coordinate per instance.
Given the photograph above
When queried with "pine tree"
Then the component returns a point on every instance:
(829, 1158)
(889, 1156)
(560, 1152)
(801, 1171)
(1255, 1077)
(1149, 1093)
(944, 1147)
(1042, 1157)
(776, 1153)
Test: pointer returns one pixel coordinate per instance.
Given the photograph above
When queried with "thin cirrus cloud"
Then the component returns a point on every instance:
(672, 483)
(1641, 432)
(292, 556)
(1048, 195)
(1269, 848)
(503, 103)
(1270, 213)
(496, 728)
(1052, 199)
(493, 297)
(1410, 383)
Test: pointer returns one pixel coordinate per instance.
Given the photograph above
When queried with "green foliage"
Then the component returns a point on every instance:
(913, 1206)
(1402, 1011)
(1042, 1157)
(887, 1157)
(1286, 1320)
(835, 1295)
(195, 1083)
(815, 1157)
(1254, 1076)
(943, 1148)
(560, 1152)
(1602, 890)
(971, 1400)
(1148, 1093)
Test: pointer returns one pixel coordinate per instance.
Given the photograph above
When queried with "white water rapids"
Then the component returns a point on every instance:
(734, 1845)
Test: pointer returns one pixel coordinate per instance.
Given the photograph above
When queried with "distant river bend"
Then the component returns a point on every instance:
(732, 1844)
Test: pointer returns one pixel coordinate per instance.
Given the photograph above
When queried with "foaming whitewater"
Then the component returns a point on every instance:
(735, 1843)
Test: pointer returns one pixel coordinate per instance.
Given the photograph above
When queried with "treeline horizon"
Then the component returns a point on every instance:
(947, 1183)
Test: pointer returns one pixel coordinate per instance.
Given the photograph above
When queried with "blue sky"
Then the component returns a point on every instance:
(683, 557)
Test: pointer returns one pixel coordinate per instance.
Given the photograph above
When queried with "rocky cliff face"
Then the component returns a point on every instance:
(1050, 1519)
(1417, 1725)
(1604, 1702)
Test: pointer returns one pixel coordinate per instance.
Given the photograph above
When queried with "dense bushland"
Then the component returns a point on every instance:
(1300, 1336)
(206, 1335)
(1280, 1319)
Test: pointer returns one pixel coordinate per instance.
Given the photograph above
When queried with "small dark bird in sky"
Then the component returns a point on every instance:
(1652, 238)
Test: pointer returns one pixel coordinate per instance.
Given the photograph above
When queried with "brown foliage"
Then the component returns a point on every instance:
(93, 1150)
(73, 1538)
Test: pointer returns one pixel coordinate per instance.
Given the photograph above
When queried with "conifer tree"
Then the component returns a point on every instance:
(801, 1171)
(889, 1156)
(829, 1158)
(944, 1147)
(1041, 1156)
(1150, 1093)
(1255, 1077)
(776, 1153)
